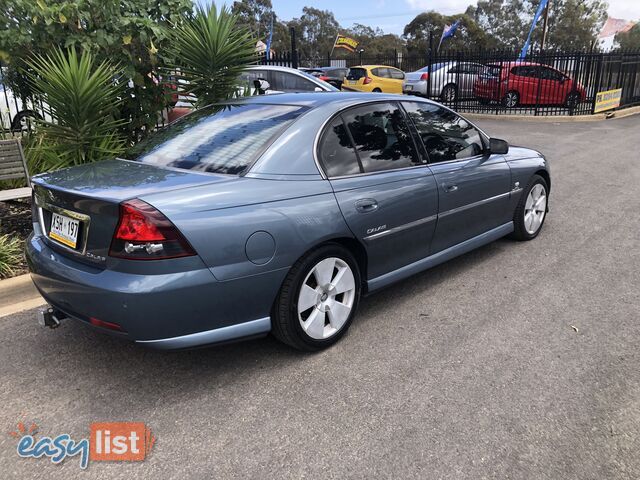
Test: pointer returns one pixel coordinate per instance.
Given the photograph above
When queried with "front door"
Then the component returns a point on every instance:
(473, 186)
(385, 190)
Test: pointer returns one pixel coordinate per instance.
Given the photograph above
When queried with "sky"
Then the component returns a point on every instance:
(392, 15)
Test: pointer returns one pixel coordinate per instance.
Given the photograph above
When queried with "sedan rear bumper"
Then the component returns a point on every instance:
(166, 310)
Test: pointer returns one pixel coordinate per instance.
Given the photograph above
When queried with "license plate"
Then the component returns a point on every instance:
(352, 82)
(408, 87)
(64, 230)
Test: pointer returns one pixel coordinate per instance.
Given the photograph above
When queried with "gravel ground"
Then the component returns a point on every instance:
(518, 360)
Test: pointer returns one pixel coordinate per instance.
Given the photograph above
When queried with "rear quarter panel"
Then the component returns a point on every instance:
(296, 214)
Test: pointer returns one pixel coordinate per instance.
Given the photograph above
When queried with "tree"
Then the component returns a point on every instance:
(417, 32)
(133, 33)
(572, 24)
(255, 15)
(629, 40)
(211, 52)
(374, 41)
(316, 30)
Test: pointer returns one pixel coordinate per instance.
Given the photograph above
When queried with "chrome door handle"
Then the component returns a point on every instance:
(366, 205)
(450, 188)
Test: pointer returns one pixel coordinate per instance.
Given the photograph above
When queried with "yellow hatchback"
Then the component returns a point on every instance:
(374, 78)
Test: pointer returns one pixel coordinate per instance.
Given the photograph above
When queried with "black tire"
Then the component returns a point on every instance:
(284, 320)
(449, 93)
(16, 123)
(376, 90)
(520, 231)
(511, 99)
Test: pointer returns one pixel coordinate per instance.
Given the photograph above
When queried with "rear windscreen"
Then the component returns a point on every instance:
(217, 139)
(356, 73)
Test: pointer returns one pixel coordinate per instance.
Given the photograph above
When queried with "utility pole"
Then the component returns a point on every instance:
(544, 26)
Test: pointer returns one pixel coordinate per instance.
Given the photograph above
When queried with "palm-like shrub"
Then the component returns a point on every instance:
(10, 255)
(211, 52)
(80, 99)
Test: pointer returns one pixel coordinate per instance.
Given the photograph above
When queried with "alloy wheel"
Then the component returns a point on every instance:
(535, 208)
(449, 93)
(511, 99)
(326, 298)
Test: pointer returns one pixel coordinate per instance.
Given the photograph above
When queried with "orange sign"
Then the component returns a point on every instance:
(120, 441)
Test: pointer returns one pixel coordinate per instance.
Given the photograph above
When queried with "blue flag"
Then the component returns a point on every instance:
(449, 31)
(525, 49)
(268, 52)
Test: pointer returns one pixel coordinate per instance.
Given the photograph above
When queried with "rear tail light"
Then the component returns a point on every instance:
(367, 80)
(424, 76)
(323, 77)
(143, 233)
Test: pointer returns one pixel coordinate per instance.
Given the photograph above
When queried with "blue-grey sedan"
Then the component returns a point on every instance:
(274, 214)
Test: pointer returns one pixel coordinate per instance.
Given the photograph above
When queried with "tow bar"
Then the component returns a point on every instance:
(50, 317)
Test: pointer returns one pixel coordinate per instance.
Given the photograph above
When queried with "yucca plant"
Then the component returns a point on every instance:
(212, 50)
(81, 99)
(10, 255)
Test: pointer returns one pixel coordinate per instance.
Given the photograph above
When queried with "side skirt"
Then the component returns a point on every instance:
(440, 257)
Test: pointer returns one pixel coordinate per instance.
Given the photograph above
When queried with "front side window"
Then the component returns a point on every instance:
(381, 137)
(217, 139)
(445, 135)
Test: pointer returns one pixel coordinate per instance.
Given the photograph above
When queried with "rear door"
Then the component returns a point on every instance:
(385, 190)
(473, 187)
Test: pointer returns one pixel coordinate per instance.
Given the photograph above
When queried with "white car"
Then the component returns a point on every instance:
(285, 79)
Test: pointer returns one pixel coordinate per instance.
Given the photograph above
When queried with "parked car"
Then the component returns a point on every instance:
(449, 80)
(332, 75)
(274, 213)
(285, 79)
(15, 114)
(527, 83)
(374, 78)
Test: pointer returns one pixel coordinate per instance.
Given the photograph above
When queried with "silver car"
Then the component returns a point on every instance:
(449, 80)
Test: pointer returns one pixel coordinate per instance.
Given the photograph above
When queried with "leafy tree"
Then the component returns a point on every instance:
(134, 33)
(316, 30)
(468, 34)
(573, 24)
(255, 15)
(211, 51)
(629, 40)
(374, 41)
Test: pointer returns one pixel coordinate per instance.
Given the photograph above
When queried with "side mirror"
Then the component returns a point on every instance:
(261, 85)
(497, 146)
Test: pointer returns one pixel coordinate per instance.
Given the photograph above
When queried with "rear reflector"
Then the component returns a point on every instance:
(143, 233)
(101, 323)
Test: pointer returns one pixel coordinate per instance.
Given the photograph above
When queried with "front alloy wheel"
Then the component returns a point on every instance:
(318, 299)
(511, 99)
(531, 210)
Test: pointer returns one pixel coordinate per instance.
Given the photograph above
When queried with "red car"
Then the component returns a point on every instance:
(520, 83)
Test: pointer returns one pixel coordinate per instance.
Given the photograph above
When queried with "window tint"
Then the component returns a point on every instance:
(446, 136)
(218, 139)
(550, 74)
(397, 74)
(337, 154)
(356, 73)
(381, 137)
(289, 82)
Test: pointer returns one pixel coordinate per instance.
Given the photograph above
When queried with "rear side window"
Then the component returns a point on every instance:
(217, 139)
(336, 151)
(381, 137)
(356, 73)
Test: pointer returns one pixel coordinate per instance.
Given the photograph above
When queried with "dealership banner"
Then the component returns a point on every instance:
(607, 100)
(345, 42)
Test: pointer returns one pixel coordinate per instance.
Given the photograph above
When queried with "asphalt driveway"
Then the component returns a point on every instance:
(518, 360)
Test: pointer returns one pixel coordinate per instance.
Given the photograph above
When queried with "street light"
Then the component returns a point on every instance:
(360, 52)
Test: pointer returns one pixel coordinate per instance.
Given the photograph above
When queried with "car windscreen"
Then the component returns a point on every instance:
(356, 73)
(217, 139)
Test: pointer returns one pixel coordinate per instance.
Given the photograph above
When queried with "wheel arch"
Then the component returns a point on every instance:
(547, 178)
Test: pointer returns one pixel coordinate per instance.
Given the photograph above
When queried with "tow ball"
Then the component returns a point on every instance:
(50, 317)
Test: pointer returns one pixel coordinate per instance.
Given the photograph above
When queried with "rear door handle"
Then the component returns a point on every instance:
(366, 205)
(450, 188)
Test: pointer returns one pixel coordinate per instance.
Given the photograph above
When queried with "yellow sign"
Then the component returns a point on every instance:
(346, 43)
(607, 100)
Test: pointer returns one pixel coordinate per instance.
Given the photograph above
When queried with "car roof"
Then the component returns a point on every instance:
(374, 66)
(317, 99)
